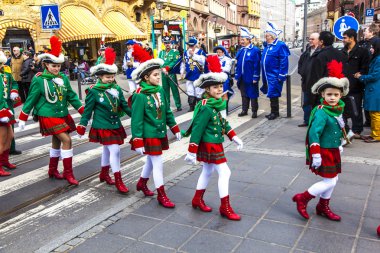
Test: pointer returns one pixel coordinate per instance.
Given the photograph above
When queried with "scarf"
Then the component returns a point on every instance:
(103, 86)
(331, 110)
(47, 75)
(148, 88)
(217, 104)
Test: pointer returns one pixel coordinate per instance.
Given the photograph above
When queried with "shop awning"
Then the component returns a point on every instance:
(120, 25)
(79, 23)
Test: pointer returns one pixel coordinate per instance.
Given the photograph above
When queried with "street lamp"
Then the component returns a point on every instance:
(159, 6)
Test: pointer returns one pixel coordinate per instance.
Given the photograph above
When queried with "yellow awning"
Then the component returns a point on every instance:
(79, 23)
(124, 29)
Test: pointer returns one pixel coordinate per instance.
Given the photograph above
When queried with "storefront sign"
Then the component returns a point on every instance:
(226, 43)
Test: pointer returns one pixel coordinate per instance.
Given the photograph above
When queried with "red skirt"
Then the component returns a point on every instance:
(211, 153)
(53, 126)
(154, 146)
(331, 163)
(108, 136)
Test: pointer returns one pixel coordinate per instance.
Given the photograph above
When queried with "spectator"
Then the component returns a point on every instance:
(16, 64)
(274, 66)
(357, 61)
(304, 66)
(9, 57)
(370, 34)
(83, 69)
(372, 92)
(36, 64)
(319, 61)
(26, 75)
(30, 49)
(148, 49)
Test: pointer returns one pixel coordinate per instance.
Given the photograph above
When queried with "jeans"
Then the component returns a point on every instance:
(306, 106)
(357, 120)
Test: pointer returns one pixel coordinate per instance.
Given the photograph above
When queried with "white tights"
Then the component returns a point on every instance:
(324, 188)
(224, 177)
(111, 156)
(154, 163)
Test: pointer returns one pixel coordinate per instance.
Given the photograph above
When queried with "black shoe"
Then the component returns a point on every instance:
(15, 152)
(191, 109)
(303, 125)
(254, 115)
(272, 116)
(243, 113)
(179, 109)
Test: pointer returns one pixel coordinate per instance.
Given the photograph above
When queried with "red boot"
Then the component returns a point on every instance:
(105, 176)
(323, 209)
(163, 199)
(68, 171)
(119, 183)
(53, 168)
(302, 199)
(226, 209)
(3, 173)
(5, 160)
(141, 186)
(199, 202)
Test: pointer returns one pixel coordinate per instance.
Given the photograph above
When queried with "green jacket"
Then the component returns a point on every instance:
(324, 131)
(12, 86)
(106, 115)
(208, 126)
(170, 58)
(146, 122)
(49, 99)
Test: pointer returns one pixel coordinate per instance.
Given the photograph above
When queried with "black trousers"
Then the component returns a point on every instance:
(246, 100)
(23, 90)
(357, 120)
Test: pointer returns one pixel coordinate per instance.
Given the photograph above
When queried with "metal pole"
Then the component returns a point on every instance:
(79, 85)
(288, 97)
(304, 25)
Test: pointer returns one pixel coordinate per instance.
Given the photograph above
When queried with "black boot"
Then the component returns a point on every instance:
(275, 109)
(191, 101)
(255, 107)
(245, 106)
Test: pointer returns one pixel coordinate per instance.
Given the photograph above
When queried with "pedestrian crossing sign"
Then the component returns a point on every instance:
(50, 18)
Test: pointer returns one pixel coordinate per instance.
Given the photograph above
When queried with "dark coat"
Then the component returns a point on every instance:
(357, 61)
(319, 63)
(26, 72)
(304, 66)
(372, 86)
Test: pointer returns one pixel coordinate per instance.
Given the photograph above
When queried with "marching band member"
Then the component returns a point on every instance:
(130, 63)
(105, 101)
(247, 73)
(226, 63)
(49, 95)
(193, 65)
(8, 94)
(274, 62)
(323, 141)
(207, 129)
(150, 115)
(169, 80)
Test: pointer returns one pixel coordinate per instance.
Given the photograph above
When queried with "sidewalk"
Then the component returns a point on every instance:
(265, 175)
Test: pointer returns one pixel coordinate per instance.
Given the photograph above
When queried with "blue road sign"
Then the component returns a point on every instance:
(50, 18)
(344, 23)
(369, 12)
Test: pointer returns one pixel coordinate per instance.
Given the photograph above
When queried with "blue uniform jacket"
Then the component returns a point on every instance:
(194, 67)
(248, 69)
(372, 86)
(274, 65)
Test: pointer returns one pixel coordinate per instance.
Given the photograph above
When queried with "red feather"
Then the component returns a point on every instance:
(110, 56)
(56, 46)
(213, 64)
(335, 69)
(140, 54)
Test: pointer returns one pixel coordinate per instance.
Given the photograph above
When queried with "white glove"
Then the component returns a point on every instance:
(140, 151)
(191, 158)
(4, 120)
(164, 71)
(14, 95)
(178, 136)
(238, 142)
(317, 161)
(341, 150)
(21, 125)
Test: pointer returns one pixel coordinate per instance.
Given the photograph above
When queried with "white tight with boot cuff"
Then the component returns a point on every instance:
(154, 163)
(323, 188)
(66, 153)
(111, 156)
(55, 152)
(223, 181)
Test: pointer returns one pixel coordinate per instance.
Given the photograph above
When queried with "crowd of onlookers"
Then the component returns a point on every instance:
(361, 65)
